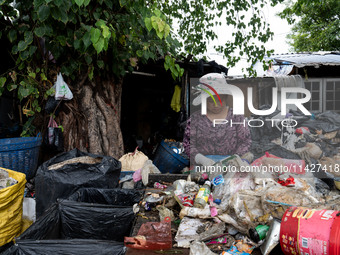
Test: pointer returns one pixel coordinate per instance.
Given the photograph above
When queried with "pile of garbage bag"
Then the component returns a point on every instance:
(90, 216)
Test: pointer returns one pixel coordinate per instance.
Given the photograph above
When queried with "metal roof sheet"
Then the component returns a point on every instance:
(308, 59)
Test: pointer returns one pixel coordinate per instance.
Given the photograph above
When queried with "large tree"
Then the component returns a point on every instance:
(316, 25)
(95, 43)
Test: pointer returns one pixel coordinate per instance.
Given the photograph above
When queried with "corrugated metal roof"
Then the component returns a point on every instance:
(308, 59)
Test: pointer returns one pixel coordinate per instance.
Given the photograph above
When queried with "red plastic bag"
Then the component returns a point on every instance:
(152, 236)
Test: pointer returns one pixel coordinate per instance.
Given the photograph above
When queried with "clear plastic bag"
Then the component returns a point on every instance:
(62, 91)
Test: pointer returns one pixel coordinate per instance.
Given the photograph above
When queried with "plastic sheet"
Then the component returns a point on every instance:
(62, 182)
(70, 219)
(192, 229)
(199, 248)
(62, 247)
(117, 196)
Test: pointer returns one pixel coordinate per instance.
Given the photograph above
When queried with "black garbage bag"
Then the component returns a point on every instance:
(77, 220)
(62, 247)
(64, 181)
(53, 139)
(267, 130)
(260, 148)
(323, 125)
(123, 197)
(52, 105)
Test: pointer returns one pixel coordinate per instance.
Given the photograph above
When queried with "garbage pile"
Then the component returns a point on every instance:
(231, 212)
(239, 205)
(5, 180)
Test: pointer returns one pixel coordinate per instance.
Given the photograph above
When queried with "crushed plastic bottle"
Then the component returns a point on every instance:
(203, 195)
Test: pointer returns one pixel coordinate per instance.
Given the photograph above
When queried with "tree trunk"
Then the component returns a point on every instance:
(91, 120)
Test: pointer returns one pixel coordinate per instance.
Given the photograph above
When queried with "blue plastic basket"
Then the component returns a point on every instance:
(169, 161)
(20, 154)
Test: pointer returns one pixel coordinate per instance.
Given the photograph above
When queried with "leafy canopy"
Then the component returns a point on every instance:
(317, 27)
(110, 37)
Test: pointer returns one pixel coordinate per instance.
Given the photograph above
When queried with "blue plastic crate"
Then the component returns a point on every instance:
(20, 154)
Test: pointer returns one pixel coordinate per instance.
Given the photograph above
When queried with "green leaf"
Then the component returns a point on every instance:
(32, 75)
(88, 59)
(43, 77)
(11, 87)
(100, 64)
(38, 3)
(154, 24)
(23, 92)
(87, 39)
(12, 35)
(91, 72)
(100, 23)
(62, 40)
(122, 3)
(113, 35)
(99, 45)
(109, 4)
(28, 37)
(21, 66)
(157, 12)
(24, 55)
(86, 2)
(96, 15)
(40, 31)
(43, 12)
(58, 3)
(139, 53)
(32, 50)
(63, 17)
(106, 44)
(95, 35)
(22, 46)
(161, 25)
(148, 24)
(166, 30)
(76, 44)
(79, 2)
(106, 31)
(159, 34)
(2, 81)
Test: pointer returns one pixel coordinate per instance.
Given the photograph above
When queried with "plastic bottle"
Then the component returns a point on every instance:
(203, 195)
(259, 233)
(220, 187)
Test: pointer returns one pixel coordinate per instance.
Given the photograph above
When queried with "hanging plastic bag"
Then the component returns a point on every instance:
(54, 136)
(62, 91)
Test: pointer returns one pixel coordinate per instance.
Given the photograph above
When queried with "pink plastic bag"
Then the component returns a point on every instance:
(137, 175)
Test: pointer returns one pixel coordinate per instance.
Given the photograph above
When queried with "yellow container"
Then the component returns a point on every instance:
(11, 201)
